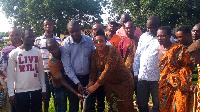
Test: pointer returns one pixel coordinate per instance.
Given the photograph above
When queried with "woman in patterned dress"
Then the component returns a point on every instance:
(115, 76)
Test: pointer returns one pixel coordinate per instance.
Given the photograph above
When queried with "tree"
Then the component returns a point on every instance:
(171, 12)
(3, 34)
(31, 13)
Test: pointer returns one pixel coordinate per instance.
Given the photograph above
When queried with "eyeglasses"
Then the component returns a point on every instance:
(98, 42)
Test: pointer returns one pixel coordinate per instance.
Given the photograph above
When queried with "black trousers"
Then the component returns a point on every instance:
(31, 100)
(99, 98)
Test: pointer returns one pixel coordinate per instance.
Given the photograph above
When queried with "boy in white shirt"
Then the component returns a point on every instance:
(30, 87)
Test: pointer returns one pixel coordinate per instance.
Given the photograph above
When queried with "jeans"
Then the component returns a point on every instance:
(144, 88)
(60, 99)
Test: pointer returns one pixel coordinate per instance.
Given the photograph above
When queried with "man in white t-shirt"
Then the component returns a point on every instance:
(25, 68)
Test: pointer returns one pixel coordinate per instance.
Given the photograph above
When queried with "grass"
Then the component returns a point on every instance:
(52, 108)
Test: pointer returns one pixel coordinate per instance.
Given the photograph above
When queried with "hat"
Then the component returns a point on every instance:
(113, 22)
(194, 46)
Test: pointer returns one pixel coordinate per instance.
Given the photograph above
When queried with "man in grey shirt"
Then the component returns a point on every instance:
(76, 52)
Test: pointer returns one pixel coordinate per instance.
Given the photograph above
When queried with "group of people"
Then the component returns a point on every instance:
(109, 65)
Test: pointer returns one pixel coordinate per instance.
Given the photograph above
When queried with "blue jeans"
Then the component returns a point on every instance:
(144, 88)
(60, 99)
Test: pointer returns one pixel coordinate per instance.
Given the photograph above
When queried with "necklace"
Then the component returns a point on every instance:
(101, 55)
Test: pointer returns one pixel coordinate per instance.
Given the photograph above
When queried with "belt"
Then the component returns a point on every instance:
(82, 76)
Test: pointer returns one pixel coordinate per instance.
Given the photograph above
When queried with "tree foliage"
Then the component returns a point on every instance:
(31, 13)
(171, 12)
(3, 34)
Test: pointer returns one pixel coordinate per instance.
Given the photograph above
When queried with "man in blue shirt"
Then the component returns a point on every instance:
(76, 52)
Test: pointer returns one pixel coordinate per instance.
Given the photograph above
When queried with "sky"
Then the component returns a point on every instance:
(4, 24)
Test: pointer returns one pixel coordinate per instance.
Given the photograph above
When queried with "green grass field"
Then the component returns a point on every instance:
(52, 108)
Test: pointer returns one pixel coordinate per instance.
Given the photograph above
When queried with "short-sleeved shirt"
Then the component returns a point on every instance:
(115, 40)
(40, 42)
(57, 70)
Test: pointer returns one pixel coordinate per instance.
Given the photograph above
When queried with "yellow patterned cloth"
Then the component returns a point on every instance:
(174, 83)
(198, 91)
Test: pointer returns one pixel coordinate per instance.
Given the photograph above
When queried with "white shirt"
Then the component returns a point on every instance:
(146, 58)
(29, 70)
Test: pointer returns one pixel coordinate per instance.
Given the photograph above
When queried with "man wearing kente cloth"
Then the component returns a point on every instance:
(194, 51)
(175, 78)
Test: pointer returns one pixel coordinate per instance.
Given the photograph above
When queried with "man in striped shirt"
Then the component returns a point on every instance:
(40, 42)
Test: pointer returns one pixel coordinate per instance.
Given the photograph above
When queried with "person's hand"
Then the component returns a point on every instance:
(80, 87)
(5, 79)
(44, 94)
(91, 89)
(80, 97)
(193, 88)
(12, 100)
(90, 84)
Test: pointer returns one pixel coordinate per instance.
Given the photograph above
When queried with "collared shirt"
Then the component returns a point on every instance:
(76, 56)
(40, 42)
(146, 58)
(121, 32)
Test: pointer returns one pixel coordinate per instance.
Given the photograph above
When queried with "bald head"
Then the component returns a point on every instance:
(196, 32)
(73, 23)
(130, 23)
(74, 30)
(124, 18)
(96, 27)
(14, 35)
(130, 29)
(154, 19)
(12, 29)
(152, 25)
